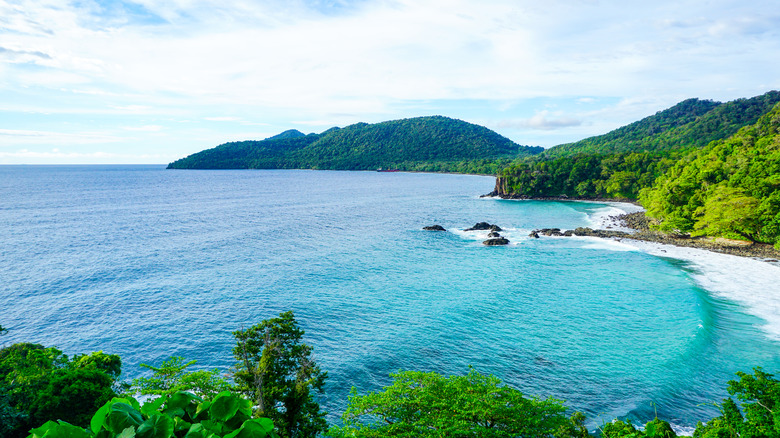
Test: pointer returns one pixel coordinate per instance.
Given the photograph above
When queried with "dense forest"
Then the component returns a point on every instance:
(729, 188)
(418, 144)
(692, 123)
(271, 393)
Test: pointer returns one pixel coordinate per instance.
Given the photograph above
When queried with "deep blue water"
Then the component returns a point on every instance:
(149, 263)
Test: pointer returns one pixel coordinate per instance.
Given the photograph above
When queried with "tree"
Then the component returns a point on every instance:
(420, 404)
(171, 376)
(729, 210)
(276, 371)
(41, 384)
(760, 397)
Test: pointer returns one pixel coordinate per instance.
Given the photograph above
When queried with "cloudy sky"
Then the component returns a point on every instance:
(150, 81)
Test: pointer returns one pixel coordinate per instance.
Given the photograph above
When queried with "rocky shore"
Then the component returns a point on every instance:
(639, 222)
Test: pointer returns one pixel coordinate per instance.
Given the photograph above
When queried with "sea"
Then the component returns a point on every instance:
(150, 263)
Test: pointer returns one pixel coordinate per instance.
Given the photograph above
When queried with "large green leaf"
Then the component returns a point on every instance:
(224, 407)
(127, 433)
(157, 426)
(121, 416)
(182, 403)
(153, 406)
(197, 431)
(99, 419)
(38, 432)
(254, 428)
(62, 429)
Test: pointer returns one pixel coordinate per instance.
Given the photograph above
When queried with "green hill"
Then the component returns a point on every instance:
(424, 143)
(729, 188)
(623, 162)
(690, 123)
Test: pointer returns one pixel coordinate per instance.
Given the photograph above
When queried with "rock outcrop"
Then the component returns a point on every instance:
(483, 226)
(434, 228)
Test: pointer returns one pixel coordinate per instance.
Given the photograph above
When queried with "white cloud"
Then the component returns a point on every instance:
(543, 120)
(276, 62)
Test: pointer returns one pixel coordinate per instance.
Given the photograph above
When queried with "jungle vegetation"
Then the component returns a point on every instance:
(45, 394)
(726, 187)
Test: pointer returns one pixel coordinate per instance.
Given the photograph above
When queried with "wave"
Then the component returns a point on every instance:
(604, 217)
(751, 283)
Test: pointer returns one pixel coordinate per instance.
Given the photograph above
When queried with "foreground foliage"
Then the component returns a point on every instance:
(276, 371)
(421, 404)
(38, 384)
(172, 376)
(179, 415)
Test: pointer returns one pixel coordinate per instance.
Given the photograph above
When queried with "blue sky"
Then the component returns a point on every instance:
(151, 81)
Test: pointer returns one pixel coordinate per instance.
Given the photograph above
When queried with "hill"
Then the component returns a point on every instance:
(433, 143)
(690, 123)
(729, 188)
(621, 163)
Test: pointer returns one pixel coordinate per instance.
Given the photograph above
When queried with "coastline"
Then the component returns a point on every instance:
(642, 232)
(636, 224)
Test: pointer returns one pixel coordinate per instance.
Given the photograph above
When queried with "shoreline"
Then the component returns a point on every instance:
(638, 222)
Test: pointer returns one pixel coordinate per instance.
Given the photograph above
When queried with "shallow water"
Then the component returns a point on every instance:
(149, 263)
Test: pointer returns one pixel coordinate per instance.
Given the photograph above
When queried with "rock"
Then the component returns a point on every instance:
(434, 228)
(483, 226)
(732, 242)
(568, 233)
(534, 234)
(496, 241)
(493, 234)
(550, 231)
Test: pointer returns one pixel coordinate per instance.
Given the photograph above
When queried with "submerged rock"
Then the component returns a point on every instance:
(434, 228)
(493, 234)
(496, 241)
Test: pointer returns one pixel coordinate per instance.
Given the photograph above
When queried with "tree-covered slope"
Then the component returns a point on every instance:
(422, 143)
(598, 171)
(731, 187)
(691, 123)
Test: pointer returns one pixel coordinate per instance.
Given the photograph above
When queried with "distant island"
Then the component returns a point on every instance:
(428, 144)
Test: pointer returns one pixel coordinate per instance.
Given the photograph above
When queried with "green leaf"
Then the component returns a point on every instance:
(157, 426)
(62, 429)
(153, 406)
(127, 433)
(224, 407)
(121, 416)
(196, 431)
(99, 419)
(41, 431)
(251, 429)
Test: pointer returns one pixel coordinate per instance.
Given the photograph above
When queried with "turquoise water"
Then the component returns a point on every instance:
(149, 263)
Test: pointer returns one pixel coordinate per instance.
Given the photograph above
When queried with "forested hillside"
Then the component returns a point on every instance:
(623, 162)
(729, 188)
(424, 143)
(690, 123)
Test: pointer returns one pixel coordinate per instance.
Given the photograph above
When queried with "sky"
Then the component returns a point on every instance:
(151, 81)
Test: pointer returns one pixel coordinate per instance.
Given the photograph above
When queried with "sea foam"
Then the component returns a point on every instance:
(749, 282)
(752, 283)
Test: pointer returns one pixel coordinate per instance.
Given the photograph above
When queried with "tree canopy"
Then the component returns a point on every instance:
(276, 371)
(423, 143)
(420, 404)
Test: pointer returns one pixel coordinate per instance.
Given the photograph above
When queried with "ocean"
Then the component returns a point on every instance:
(150, 263)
